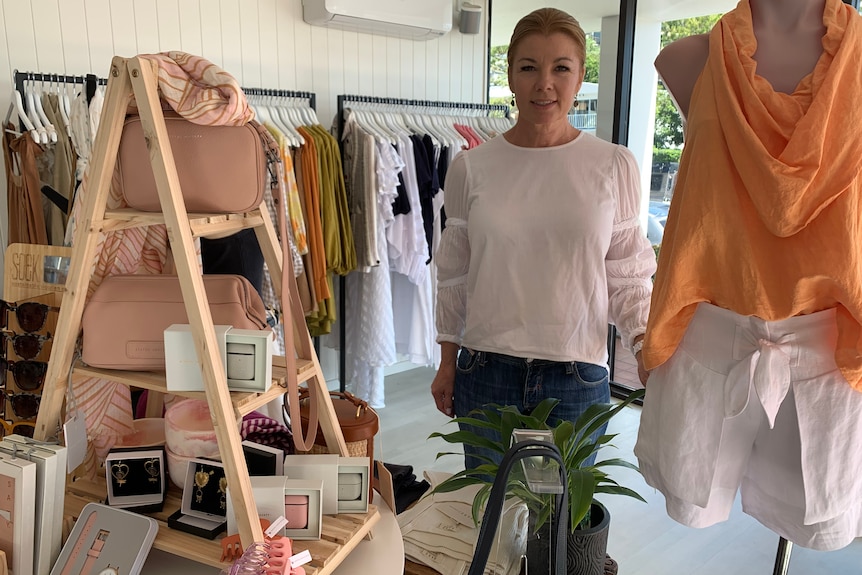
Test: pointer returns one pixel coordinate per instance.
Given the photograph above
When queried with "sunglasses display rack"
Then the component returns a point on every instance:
(132, 78)
(26, 326)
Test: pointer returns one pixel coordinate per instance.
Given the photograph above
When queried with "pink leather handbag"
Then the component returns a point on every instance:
(222, 169)
(125, 320)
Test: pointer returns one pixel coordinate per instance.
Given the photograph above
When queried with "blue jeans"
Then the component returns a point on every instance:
(483, 377)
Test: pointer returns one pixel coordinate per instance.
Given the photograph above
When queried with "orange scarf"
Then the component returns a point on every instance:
(766, 217)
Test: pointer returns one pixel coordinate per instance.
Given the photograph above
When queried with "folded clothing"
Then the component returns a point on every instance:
(439, 532)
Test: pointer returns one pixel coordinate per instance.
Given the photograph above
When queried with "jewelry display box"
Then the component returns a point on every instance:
(136, 478)
(353, 478)
(297, 500)
(263, 459)
(107, 540)
(317, 466)
(205, 499)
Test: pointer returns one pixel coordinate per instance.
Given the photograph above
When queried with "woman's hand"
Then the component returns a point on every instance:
(643, 374)
(442, 389)
(443, 386)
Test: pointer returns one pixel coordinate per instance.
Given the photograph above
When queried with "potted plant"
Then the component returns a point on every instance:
(587, 519)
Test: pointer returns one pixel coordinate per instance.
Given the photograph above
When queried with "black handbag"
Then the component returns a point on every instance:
(494, 507)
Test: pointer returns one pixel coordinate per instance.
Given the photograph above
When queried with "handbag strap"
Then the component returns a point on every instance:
(291, 307)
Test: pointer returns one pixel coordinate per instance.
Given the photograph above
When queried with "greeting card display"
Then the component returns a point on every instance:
(50, 494)
(17, 512)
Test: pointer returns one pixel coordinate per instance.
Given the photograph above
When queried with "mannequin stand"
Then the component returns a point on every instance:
(782, 557)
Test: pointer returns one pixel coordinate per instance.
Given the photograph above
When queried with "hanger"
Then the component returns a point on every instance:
(40, 111)
(64, 115)
(33, 115)
(366, 121)
(291, 124)
(17, 107)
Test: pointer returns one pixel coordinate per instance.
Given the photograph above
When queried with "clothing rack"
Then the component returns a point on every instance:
(452, 108)
(310, 96)
(89, 81)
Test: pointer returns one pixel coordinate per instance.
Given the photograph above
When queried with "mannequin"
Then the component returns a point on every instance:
(788, 46)
(755, 334)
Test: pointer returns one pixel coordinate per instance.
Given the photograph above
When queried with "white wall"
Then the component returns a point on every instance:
(263, 43)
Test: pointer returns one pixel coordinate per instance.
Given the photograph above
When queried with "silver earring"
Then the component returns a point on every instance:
(513, 100)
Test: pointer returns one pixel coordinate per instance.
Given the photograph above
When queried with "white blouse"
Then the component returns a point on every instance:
(542, 248)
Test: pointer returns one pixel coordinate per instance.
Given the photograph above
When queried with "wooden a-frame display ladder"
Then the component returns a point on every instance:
(136, 78)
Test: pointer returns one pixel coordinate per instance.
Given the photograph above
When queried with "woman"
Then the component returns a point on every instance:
(542, 244)
(754, 336)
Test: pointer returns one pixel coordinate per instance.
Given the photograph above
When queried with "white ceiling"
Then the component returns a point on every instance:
(506, 13)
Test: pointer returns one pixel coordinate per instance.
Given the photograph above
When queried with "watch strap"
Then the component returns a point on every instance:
(94, 551)
(79, 544)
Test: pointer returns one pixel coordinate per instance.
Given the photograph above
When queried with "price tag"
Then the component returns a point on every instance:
(276, 527)
(75, 433)
(300, 559)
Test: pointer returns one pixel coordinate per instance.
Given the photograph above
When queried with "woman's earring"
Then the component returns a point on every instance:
(513, 100)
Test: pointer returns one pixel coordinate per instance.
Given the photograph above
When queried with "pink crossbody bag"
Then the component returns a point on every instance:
(125, 320)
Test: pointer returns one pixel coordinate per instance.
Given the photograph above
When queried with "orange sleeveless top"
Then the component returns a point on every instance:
(766, 217)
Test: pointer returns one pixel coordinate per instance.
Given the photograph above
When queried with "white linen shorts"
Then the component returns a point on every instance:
(758, 407)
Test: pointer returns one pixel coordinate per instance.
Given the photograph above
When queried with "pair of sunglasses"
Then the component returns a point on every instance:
(31, 315)
(25, 428)
(25, 345)
(29, 375)
(24, 405)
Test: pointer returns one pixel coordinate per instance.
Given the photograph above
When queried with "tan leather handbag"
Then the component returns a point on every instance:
(222, 169)
(125, 320)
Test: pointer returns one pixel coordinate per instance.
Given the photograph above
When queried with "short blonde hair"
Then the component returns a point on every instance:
(547, 21)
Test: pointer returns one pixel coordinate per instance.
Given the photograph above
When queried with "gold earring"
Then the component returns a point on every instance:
(151, 466)
(120, 471)
(201, 480)
(222, 488)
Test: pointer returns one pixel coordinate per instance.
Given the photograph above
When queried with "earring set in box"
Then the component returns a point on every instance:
(205, 500)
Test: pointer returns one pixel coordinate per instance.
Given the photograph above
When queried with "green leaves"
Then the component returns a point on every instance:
(576, 445)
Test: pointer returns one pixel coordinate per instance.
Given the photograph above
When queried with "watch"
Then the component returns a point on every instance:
(94, 551)
(79, 544)
(637, 346)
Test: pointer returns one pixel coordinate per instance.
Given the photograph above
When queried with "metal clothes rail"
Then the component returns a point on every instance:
(310, 96)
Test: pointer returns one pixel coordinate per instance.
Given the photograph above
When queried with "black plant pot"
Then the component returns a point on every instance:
(586, 548)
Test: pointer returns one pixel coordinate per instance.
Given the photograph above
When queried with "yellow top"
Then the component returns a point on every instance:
(766, 217)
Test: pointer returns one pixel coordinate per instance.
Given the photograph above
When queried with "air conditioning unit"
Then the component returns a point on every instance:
(413, 19)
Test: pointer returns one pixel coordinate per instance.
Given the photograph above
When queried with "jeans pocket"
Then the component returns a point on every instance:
(468, 359)
(590, 373)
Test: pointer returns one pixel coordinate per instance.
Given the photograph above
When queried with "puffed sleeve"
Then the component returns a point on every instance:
(630, 261)
(453, 256)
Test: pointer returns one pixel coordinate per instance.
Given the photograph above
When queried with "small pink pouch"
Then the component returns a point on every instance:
(296, 511)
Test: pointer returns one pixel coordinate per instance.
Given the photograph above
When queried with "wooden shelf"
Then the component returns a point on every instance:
(341, 533)
(244, 401)
(201, 224)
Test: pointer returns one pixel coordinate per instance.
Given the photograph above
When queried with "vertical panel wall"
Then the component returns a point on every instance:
(263, 43)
